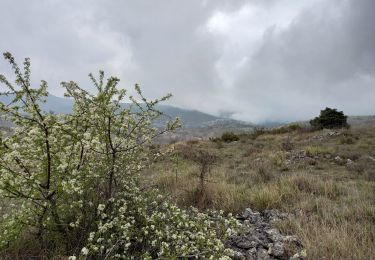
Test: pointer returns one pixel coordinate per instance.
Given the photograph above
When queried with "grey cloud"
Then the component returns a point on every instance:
(299, 58)
(324, 58)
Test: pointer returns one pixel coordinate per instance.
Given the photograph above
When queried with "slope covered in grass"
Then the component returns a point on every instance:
(326, 178)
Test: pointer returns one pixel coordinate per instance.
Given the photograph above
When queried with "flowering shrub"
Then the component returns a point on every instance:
(148, 227)
(74, 179)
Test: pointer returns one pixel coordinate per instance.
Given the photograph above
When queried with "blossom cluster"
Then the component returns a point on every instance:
(147, 226)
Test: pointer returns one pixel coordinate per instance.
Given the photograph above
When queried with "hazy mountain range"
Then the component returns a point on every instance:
(195, 124)
(189, 118)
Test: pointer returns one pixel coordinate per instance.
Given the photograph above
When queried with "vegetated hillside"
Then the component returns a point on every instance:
(207, 130)
(189, 118)
(361, 120)
(325, 179)
(54, 104)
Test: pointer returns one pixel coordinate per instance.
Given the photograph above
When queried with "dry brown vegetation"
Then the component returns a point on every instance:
(326, 178)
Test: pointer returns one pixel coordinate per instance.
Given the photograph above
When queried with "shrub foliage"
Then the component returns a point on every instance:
(229, 137)
(329, 118)
(74, 179)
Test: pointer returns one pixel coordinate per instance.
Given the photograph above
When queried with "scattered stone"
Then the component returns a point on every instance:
(263, 254)
(299, 255)
(338, 158)
(244, 242)
(251, 254)
(259, 239)
(276, 249)
(273, 234)
(325, 135)
(296, 155)
(238, 256)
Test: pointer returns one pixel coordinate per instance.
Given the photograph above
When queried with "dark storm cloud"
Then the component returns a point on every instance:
(324, 58)
(256, 60)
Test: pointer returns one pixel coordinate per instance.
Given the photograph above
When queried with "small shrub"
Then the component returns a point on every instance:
(349, 154)
(250, 151)
(294, 127)
(285, 129)
(258, 131)
(313, 151)
(287, 145)
(192, 142)
(355, 167)
(205, 160)
(265, 198)
(310, 161)
(219, 145)
(229, 137)
(303, 184)
(215, 139)
(277, 159)
(330, 118)
(263, 174)
(348, 138)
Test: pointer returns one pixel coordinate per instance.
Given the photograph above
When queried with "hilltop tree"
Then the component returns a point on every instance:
(329, 118)
(73, 180)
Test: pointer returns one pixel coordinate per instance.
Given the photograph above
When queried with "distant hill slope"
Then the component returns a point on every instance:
(361, 120)
(189, 118)
(208, 129)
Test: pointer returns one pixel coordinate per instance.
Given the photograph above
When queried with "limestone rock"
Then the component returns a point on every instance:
(259, 239)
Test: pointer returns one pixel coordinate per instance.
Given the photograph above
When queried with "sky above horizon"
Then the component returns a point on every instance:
(259, 60)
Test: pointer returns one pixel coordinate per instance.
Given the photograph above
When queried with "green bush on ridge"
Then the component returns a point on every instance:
(329, 118)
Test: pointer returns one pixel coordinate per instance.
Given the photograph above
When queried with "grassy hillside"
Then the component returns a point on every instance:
(361, 120)
(325, 178)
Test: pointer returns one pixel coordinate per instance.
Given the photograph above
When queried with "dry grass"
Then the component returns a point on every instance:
(335, 202)
(331, 239)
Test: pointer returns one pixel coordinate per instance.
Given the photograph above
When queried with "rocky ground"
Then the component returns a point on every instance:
(260, 239)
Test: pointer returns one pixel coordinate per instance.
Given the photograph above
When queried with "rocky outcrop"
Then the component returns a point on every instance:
(300, 156)
(260, 239)
(326, 134)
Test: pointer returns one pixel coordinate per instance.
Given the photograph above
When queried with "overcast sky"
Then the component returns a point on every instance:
(254, 60)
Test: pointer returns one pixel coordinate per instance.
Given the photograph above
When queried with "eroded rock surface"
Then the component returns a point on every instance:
(260, 239)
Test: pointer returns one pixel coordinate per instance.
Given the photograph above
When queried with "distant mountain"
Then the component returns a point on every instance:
(54, 104)
(271, 124)
(189, 118)
(361, 120)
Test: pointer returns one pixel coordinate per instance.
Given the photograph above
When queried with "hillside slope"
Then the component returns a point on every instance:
(189, 118)
(325, 179)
